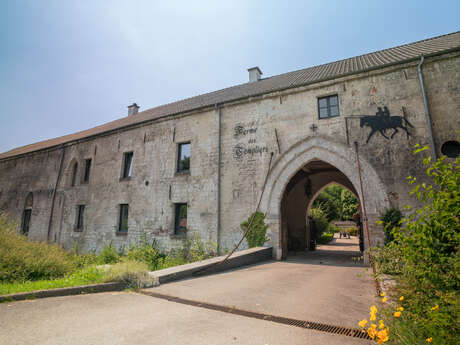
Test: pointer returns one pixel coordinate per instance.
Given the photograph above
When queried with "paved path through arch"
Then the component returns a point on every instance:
(326, 286)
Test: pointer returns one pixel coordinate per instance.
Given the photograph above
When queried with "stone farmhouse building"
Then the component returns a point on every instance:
(200, 165)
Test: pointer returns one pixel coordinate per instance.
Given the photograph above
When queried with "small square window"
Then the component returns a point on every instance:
(80, 217)
(180, 225)
(127, 165)
(328, 107)
(183, 157)
(123, 219)
(87, 170)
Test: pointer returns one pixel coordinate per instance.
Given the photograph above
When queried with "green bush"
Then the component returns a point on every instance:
(22, 260)
(191, 250)
(109, 255)
(391, 219)
(325, 238)
(84, 260)
(256, 236)
(320, 221)
(353, 231)
(425, 256)
(148, 253)
(388, 260)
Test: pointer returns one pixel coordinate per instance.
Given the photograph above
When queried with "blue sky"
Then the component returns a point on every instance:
(66, 66)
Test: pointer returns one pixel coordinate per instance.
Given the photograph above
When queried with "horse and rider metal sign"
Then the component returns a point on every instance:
(383, 121)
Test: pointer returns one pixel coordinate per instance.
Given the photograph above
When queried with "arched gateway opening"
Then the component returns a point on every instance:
(299, 230)
(300, 173)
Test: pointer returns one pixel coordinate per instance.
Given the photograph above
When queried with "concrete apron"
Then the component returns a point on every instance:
(330, 285)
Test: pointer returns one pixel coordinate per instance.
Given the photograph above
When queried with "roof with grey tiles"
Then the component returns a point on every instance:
(378, 59)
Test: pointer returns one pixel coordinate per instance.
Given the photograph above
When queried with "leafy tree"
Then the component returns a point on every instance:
(337, 203)
(256, 236)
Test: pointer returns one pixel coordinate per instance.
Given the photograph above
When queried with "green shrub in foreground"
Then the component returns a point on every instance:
(147, 253)
(22, 260)
(390, 219)
(425, 256)
(109, 255)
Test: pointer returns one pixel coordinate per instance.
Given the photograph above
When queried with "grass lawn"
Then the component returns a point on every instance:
(88, 275)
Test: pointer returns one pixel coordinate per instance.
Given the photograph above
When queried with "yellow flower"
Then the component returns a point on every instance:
(373, 326)
(383, 294)
(383, 336)
(429, 340)
(372, 332)
(384, 299)
(436, 307)
(362, 323)
(373, 309)
(401, 298)
(373, 317)
(397, 314)
(381, 324)
(400, 309)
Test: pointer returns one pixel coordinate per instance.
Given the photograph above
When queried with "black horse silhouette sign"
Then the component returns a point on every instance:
(382, 121)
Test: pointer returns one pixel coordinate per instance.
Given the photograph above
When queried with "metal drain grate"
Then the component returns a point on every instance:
(349, 332)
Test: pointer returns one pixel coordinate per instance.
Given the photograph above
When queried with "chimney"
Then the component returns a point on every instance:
(132, 109)
(254, 74)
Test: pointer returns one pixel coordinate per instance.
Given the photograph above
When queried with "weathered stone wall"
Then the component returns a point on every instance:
(151, 191)
(250, 130)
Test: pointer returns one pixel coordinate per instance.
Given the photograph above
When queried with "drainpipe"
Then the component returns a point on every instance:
(219, 157)
(54, 193)
(365, 220)
(427, 110)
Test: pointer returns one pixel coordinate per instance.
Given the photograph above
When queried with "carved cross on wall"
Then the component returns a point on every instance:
(313, 127)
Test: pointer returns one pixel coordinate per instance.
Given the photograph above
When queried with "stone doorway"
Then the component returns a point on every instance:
(297, 228)
(331, 161)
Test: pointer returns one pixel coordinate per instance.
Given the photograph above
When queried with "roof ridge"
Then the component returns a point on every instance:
(303, 69)
(312, 74)
(362, 55)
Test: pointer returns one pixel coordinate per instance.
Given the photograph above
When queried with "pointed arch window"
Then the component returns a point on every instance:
(27, 214)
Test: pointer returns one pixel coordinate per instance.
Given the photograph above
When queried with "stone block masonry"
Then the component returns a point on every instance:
(284, 122)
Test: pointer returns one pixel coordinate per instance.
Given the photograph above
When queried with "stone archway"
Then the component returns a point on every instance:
(333, 153)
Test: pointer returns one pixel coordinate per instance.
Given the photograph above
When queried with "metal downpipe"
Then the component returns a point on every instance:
(219, 157)
(427, 110)
(366, 220)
